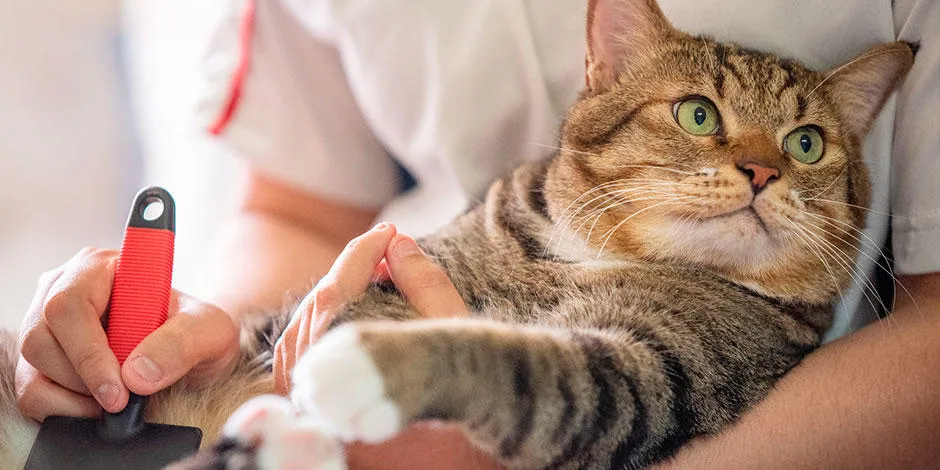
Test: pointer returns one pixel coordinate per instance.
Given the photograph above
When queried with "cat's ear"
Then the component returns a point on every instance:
(860, 87)
(618, 31)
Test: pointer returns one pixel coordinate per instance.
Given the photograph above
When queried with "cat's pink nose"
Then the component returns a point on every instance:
(759, 175)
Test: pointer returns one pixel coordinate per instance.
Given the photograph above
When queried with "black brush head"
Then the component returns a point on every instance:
(78, 444)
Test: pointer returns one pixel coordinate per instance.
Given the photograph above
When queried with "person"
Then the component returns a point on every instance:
(325, 99)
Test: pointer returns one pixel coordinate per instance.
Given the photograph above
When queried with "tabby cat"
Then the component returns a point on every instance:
(648, 284)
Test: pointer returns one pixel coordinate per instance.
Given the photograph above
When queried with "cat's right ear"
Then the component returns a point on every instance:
(619, 31)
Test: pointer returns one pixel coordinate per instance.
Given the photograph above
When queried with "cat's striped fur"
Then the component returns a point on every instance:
(622, 302)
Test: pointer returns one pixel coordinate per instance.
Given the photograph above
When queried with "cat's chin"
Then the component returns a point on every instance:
(733, 240)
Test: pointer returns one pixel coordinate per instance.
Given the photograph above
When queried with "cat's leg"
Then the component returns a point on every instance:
(534, 397)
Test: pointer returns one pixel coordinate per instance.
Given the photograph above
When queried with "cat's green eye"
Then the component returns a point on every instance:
(697, 116)
(805, 144)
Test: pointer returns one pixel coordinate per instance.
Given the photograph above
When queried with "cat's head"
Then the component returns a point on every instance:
(685, 149)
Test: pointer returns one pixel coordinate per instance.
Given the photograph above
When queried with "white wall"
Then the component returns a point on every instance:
(66, 157)
(77, 139)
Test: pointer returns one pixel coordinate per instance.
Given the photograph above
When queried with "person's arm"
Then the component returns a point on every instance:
(318, 173)
(278, 243)
(869, 400)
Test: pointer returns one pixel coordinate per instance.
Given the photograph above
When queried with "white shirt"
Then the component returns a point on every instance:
(336, 91)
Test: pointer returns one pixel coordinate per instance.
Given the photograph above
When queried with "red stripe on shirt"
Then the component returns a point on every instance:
(245, 34)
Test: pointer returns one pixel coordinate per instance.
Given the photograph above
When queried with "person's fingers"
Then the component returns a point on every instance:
(381, 272)
(348, 278)
(40, 348)
(352, 271)
(305, 316)
(198, 340)
(38, 397)
(33, 315)
(285, 349)
(72, 310)
(423, 283)
(281, 380)
(43, 352)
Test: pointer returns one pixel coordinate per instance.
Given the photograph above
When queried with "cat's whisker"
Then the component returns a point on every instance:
(830, 201)
(816, 252)
(663, 168)
(731, 24)
(609, 234)
(645, 189)
(832, 222)
(886, 268)
(619, 201)
(561, 219)
(838, 259)
(597, 219)
(708, 52)
(592, 154)
(566, 219)
(827, 188)
(868, 290)
(563, 149)
(656, 180)
(619, 194)
(852, 269)
(869, 284)
(865, 288)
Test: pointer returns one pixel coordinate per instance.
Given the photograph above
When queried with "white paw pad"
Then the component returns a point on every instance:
(283, 440)
(337, 382)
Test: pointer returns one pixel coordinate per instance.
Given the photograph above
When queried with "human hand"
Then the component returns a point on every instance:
(378, 254)
(66, 366)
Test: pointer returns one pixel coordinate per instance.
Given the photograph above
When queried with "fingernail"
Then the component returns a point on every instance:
(147, 369)
(107, 395)
(379, 227)
(406, 247)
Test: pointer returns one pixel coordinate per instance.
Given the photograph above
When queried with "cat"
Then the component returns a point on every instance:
(647, 284)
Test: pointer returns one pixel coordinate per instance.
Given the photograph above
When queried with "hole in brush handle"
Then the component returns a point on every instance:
(145, 214)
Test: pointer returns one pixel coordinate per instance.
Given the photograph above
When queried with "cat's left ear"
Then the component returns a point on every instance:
(860, 87)
(620, 32)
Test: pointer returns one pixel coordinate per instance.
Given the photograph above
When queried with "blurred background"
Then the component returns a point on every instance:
(79, 82)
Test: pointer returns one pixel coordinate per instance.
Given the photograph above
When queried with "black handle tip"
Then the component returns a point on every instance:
(153, 208)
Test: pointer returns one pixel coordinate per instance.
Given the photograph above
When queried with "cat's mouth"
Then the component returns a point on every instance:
(744, 215)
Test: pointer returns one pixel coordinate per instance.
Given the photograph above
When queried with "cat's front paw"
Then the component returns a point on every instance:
(338, 382)
(267, 432)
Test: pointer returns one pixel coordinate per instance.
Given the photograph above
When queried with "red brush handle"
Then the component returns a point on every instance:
(140, 296)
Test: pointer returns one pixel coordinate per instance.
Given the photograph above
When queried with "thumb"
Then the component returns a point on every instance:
(423, 283)
(198, 340)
